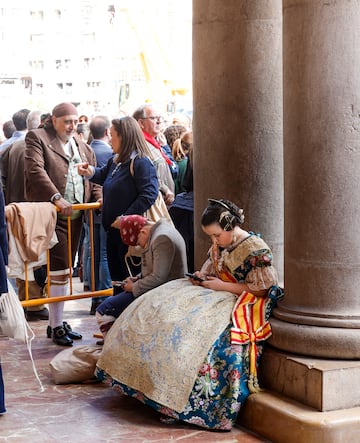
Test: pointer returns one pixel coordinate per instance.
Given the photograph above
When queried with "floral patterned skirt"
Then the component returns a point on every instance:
(219, 391)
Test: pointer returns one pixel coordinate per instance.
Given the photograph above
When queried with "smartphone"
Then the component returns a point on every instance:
(119, 283)
(193, 277)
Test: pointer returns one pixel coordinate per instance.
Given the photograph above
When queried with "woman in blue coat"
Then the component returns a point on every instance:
(125, 192)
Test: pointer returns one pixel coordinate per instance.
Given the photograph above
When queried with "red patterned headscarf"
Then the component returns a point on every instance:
(130, 226)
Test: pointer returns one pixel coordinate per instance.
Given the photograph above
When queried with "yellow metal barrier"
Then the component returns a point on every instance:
(92, 293)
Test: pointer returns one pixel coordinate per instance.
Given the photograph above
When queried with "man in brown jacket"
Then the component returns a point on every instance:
(51, 175)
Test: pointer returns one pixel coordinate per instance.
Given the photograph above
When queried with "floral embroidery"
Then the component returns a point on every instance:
(260, 258)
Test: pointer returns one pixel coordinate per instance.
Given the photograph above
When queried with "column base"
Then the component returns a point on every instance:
(283, 420)
(306, 400)
(318, 341)
(322, 384)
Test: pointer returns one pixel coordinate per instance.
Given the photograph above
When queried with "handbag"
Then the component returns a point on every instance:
(156, 212)
(159, 209)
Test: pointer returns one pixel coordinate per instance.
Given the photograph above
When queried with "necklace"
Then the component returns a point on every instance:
(118, 165)
(224, 253)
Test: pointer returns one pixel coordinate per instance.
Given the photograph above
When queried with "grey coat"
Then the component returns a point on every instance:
(163, 260)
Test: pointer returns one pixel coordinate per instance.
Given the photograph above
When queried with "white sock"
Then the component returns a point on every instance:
(102, 319)
(56, 309)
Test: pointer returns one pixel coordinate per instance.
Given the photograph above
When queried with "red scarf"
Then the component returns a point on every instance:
(155, 143)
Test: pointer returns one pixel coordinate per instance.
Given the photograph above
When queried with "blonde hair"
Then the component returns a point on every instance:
(182, 146)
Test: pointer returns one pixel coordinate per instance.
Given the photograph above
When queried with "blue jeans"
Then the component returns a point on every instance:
(101, 269)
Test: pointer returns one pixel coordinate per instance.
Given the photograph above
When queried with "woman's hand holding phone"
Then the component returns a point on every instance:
(196, 278)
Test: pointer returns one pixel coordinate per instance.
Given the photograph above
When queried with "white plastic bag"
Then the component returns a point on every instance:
(13, 323)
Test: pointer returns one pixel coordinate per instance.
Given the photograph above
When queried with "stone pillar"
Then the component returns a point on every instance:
(320, 314)
(237, 87)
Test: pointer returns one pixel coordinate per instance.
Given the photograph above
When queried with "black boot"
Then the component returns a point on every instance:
(60, 337)
(72, 334)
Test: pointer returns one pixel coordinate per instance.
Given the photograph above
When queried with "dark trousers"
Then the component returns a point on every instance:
(116, 304)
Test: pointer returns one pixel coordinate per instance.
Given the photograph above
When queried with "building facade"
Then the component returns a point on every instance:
(102, 56)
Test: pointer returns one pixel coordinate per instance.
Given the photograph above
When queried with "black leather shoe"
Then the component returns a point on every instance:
(60, 337)
(72, 334)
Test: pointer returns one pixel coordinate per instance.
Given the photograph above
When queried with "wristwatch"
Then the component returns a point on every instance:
(56, 197)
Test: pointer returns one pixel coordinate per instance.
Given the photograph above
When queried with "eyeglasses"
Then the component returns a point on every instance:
(158, 118)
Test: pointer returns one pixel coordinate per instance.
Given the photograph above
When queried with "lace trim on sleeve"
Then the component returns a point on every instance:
(261, 278)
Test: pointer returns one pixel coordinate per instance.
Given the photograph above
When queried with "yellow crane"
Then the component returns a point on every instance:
(151, 35)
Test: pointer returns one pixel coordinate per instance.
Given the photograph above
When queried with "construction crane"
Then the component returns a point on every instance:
(158, 70)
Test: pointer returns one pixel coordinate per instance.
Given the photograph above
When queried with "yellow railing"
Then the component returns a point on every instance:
(92, 293)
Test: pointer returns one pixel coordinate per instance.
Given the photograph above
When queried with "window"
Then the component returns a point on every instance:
(86, 13)
(37, 15)
(68, 88)
(37, 38)
(88, 62)
(37, 64)
(39, 88)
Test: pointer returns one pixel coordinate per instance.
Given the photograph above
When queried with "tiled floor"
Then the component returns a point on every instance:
(81, 412)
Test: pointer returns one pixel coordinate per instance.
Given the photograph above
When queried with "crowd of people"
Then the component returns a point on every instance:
(189, 365)
(37, 158)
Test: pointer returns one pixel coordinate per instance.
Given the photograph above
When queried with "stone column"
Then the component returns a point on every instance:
(237, 87)
(320, 314)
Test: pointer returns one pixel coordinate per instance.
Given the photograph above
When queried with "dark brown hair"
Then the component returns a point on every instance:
(132, 138)
(224, 212)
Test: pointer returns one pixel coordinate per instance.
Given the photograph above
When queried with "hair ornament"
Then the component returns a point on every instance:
(213, 201)
(229, 218)
(227, 221)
